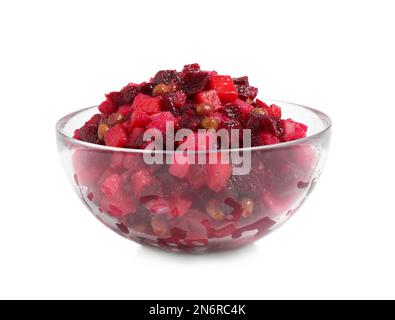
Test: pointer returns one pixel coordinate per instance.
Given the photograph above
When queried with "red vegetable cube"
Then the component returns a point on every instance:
(218, 176)
(225, 88)
(179, 170)
(245, 107)
(293, 130)
(159, 120)
(148, 104)
(139, 119)
(209, 97)
(116, 137)
(111, 184)
(268, 138)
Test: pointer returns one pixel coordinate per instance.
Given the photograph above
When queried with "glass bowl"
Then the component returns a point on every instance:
(192, 214)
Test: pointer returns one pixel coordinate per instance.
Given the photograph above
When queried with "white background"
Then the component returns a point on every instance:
(338, 56)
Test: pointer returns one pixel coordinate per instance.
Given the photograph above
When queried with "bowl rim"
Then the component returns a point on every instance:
(326, 120)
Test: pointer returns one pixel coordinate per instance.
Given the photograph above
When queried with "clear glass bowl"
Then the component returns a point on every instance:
(185, 215)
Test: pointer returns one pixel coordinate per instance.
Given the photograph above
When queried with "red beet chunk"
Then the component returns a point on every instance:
(209, 97)
(293, 130)
(144, 184)
(118, 206)
(166, 77)
(139, 119)
(115, 98)
(88, 132)
(179, 169)
(107, 107)
(111, 185)
(245, 107)
(173, 100)
(273, 126)
(197, 175)
(129, 92)
(147, 104)
(194, 82)
(231, 111)
(247, 92)
(194, 67)
(274, 111)
(241, 81)
(159, 120)
(225, 88)
(116, 137)
(135, 138)
(218, 176)
(268, 138)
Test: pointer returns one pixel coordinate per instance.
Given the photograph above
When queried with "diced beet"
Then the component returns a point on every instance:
(200, 141)
(231, 124)
(245, 107)
(251, 183)
(173, 100)
(231, 111)
(135, 138)
(272, 125)
(115, 98)
(166, 77)
(159, 120)
(293, 130)
(105, 174)
(124, 110)
(194, 67)
(194, 82)
(111, 184)
(197, 175)
(89, 165)
(158, 206)
(247, 92)
(274, 111)
(179, 170)
(218, 176)
(209, 97)
(225, 88)
(260, 104)
(268, 138)
(146, 88)
(129, 93)
(147, 104)
(116, 137)
(144, 184)
(118, 206)
(180, 207)
(188, 118)
(139, 119)
(254, 122)
(277, 205)
(304, 156)
(88, 132)
(160, 226)
(133, 162)
(241, 81)
(107, 107)
(117, 160)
